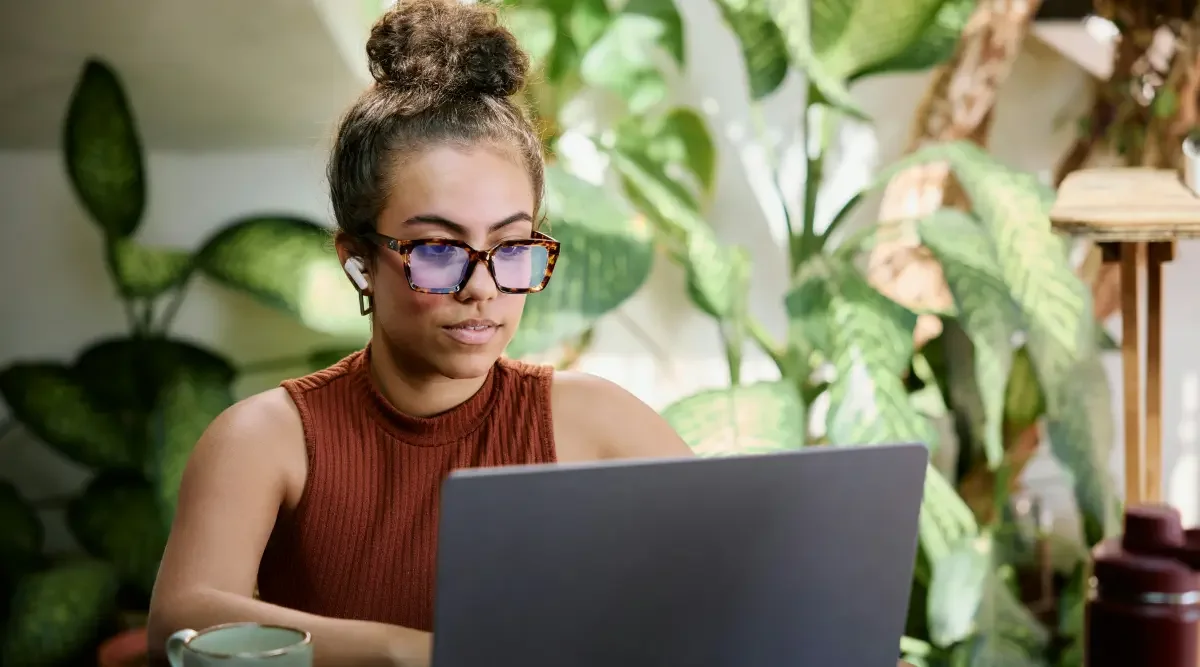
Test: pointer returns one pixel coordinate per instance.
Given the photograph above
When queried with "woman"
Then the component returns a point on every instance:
(322, 493)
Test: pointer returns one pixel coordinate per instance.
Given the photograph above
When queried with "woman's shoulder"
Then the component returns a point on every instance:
(262, 431)
(610, 420)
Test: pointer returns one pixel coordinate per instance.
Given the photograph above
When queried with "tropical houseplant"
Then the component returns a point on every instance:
(1019, 344)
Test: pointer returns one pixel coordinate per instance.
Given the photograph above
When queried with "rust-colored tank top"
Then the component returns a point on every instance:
(361, 543)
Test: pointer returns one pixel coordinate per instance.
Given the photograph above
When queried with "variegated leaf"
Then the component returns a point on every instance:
(763, 47)
(795, 23)
(746, 419)
(714, 273)
(985, 310)
(849, 36)
(934, 46)
(1056, 309)
(868, 339)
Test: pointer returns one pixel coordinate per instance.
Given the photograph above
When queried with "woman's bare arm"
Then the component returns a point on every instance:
(249, 463)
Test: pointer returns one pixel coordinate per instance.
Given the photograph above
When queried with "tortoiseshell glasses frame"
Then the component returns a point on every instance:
(405, 248)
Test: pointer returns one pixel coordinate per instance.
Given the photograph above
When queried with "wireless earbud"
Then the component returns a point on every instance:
(354, 268)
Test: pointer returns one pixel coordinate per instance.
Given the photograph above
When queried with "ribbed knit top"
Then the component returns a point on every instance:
(361, 543)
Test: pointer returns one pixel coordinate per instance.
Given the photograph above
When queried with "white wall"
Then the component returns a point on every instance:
(71, 303)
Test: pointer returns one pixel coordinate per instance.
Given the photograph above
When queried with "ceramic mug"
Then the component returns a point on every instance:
(240, 645)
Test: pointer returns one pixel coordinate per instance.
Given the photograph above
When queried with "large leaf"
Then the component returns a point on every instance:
(985, 310)
(605, 258)
(189, 401)
(763, 47)
(868, 339)
(935, 46)
(849, 36)
(869, 343)
(126, 374)
(622, 61)
(671, 37)
(682, 138)
(287, 263)
(52, 402)
(1023, 399)
(147, 272)
(797, 28)
(715, 272)
(746, 419)
(103, 151)
(957, 589)
(22, 534)
(116, 518)
(1079, 426)
(57, 614)
(1056, 309)
(1007, 634)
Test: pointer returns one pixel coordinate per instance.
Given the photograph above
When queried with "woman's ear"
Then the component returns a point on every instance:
(352, 262)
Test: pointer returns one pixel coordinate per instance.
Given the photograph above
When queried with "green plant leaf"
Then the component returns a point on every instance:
(57, 613)
(51, 401)
(667, 14)
(1079, 426)
(117, 518)
(191, 398)
(935, 46)
(1007, 633)
(957, 589)
(126, 374)
(146, 272)
(745, 419)
(605, 257)
(797, 29)
(986, 312)
(103, 151)
(287, 263)
(764, 51)
(869, 342)
(1023, 399)
(622, 61)
(682, 138)
(1056, 309)
(849, 36)
(868, 339)
(22, 538)
(714, 271)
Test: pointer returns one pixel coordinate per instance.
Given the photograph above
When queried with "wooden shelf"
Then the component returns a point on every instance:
(1127, 204)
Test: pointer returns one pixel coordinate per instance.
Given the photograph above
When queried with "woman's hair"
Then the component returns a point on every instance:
(445, 72)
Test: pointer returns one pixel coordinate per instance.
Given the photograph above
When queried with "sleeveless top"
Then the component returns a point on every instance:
(361, 543)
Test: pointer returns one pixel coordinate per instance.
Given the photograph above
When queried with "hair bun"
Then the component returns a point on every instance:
(438, 50)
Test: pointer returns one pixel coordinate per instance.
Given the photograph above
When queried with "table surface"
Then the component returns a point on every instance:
(1126, 204)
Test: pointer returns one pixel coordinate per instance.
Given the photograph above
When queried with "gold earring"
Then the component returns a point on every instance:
(366, 305)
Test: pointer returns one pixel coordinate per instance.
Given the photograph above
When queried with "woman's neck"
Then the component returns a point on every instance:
(413, 395)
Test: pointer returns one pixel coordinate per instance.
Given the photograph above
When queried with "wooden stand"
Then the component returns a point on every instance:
(1136, 215)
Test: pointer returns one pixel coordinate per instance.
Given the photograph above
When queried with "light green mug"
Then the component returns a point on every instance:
(240, 645)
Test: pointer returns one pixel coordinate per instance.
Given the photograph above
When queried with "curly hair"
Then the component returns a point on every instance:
(445, 72)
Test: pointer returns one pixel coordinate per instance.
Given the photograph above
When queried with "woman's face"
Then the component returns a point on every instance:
(481, 196)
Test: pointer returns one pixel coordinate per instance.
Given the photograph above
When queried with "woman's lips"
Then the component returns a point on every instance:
(472, 332)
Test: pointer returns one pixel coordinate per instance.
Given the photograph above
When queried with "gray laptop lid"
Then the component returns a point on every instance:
(800, 559)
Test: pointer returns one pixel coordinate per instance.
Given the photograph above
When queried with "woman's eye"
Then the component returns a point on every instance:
(512, 250)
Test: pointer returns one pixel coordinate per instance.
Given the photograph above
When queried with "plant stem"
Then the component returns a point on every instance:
(763, 339)
(172, 309)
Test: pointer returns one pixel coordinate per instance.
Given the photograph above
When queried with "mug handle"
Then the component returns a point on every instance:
(175, 645)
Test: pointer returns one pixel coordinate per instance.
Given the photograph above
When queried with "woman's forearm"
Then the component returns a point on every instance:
(335, 641)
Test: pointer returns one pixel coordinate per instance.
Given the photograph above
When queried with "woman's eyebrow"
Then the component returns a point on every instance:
(456, 228)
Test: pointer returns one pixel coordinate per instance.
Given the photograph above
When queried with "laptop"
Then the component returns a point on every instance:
(796, 559)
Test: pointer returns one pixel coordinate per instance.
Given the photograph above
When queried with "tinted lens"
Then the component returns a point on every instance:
(520, 266)
(437, 267)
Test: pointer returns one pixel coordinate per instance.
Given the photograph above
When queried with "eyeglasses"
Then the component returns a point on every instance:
(443, 266)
